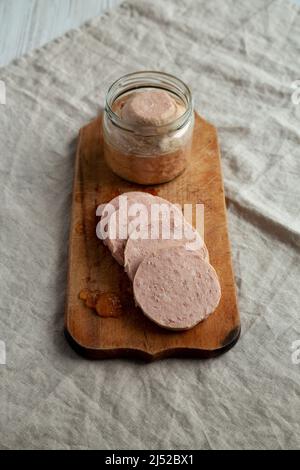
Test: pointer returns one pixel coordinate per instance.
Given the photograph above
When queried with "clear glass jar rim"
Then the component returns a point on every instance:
(155, 79)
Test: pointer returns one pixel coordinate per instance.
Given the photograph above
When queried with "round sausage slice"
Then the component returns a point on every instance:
(118, 226)
(131, 196)
(117, 236)
(176, 288)
(137, 250)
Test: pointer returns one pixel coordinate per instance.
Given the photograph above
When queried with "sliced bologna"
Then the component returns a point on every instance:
(137, 250)
(116, 244)
(176, 288)
(118, 224)
(132, 196)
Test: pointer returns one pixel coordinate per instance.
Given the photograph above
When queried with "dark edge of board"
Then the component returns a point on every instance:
(181, 353)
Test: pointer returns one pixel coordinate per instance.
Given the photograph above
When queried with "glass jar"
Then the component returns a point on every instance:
(148, 127)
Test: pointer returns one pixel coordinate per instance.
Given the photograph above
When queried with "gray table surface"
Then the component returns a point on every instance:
(28, 24)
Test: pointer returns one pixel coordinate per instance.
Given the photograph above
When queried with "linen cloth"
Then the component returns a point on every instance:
(240, 59)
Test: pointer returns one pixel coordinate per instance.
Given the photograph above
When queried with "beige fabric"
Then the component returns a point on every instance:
(240, 58)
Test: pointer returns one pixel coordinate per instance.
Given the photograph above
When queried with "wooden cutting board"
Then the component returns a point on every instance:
(97, 283)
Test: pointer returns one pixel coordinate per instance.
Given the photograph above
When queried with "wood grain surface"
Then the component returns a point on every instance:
(101, 319)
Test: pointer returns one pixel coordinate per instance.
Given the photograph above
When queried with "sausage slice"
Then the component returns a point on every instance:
(176, 288)
(118, 226)
(137, 250)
